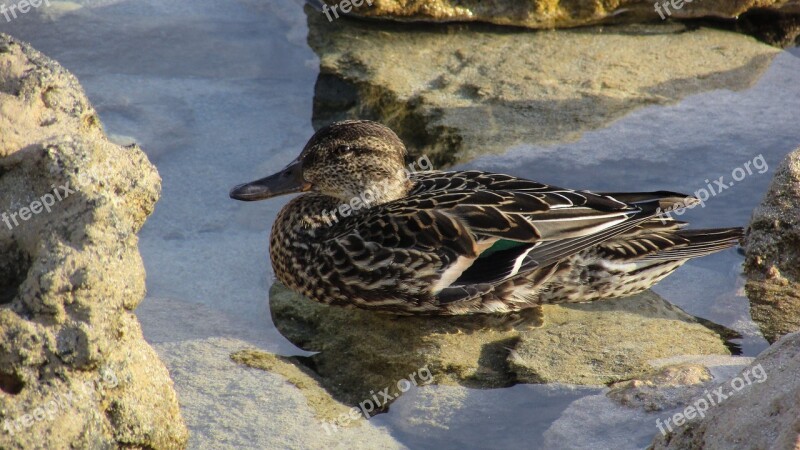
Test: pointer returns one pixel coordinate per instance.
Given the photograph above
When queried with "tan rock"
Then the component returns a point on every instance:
(277, 405)
(557, 13)
(773, 254)
(608, 341)
(321, 403)
(75, 371)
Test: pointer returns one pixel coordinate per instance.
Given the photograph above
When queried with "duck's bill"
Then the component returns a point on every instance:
(287, 181)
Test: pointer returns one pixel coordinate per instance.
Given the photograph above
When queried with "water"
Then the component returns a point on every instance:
(219, 93)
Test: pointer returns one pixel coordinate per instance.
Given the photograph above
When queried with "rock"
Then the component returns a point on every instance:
(771, 26)
(608, 341)
(625, 417)
(557, 13)
(75, 371)
(762, 413)
(321, 403)
(449, 98)
(772, 247)
(667, 388)
(721, 367)
(361, 352)
(230, 406)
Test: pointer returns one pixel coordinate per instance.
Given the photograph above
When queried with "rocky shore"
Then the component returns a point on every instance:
(588, 344)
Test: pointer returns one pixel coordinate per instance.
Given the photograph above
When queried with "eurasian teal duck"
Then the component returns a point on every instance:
(460, 242)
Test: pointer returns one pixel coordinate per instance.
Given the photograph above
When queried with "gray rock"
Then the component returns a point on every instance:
(625, 416)
(75, 371)
(229, 406)
(773, 254)
(763, 413)
(457, 95)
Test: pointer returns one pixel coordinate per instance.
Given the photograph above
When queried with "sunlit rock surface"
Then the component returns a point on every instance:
(75, 371)
(456, 92)
(773, 254)
(764, 413)
(555, 13)
(607, 341)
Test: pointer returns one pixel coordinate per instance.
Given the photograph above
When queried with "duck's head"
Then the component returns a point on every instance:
(342, 160)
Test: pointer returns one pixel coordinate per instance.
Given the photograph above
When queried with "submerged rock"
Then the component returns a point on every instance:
(763, 412)
(460, 91)
(362, 353)
(75, 371)
(555, 13)
(772, 246)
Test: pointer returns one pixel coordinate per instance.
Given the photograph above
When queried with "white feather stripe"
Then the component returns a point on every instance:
(452, 273)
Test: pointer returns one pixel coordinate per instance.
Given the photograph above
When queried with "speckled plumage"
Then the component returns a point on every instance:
(462, 242)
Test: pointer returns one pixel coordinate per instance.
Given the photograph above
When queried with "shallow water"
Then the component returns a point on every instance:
(219, 93)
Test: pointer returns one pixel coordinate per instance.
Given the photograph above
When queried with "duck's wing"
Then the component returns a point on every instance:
(470, 230)
(493, 200)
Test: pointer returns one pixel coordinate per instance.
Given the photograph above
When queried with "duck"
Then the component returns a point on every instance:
(460, 242)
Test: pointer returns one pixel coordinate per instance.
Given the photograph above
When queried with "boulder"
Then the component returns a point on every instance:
(772, 247)
(763, 412)
(667, 388)
(274, 404)
(363, 352)
(453, 94)
(75, 371)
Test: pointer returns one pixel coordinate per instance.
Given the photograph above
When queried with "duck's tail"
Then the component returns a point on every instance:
(634, 262)
(698, 243)
(665, 238)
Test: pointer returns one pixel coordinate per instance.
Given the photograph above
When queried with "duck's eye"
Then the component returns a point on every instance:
(342, 149)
